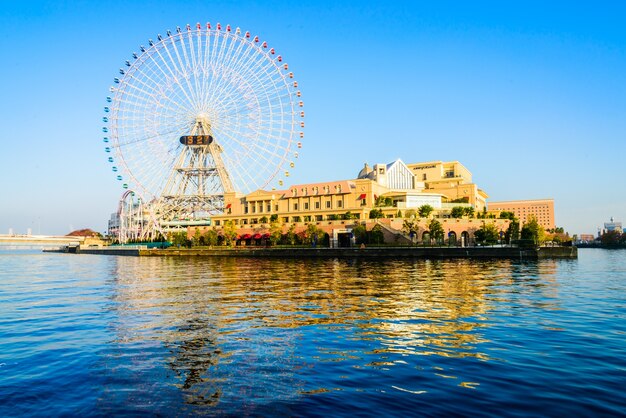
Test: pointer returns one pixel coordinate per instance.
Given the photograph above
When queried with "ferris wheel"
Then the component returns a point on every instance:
(201, 112)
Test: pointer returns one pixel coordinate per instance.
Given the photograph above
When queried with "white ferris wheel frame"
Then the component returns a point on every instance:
(191, 74)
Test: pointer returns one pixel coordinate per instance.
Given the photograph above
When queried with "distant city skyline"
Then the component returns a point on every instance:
(530, 98)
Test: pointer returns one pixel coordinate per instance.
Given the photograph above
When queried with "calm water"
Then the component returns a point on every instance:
(100, 335)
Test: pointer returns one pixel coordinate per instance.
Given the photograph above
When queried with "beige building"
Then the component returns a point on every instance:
(396, 189)
(316, 202)
(452, 180)
(542, 209)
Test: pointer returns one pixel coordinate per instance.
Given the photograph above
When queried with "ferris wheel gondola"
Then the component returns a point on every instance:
(194, 82)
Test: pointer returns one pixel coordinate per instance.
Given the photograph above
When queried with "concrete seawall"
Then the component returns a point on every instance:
(369, 252)
(380, 252)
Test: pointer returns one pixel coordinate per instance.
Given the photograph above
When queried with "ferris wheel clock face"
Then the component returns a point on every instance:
(203, 93)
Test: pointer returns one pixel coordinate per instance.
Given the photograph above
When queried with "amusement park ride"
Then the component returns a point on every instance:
(201, 112)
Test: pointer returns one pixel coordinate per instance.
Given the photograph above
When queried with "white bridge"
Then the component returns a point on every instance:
(38, 240)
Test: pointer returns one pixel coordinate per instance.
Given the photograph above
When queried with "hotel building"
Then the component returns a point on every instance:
(396, 189)
(542, 209)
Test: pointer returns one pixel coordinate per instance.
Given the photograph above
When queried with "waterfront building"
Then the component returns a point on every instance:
(451, 179)
(394, 189)
(586, 238)
(541, 209)
(612, 225)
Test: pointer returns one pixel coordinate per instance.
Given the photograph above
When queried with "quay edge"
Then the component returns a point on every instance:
(514, 253)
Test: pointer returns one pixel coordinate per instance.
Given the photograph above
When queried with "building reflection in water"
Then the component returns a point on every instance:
(222, 323)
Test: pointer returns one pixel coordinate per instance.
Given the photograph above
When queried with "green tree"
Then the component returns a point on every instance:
(512, 232)
(276, 231)
(410, 213)
(533, 231)
(178, 239)
(312, 235)
(410, 227)
(360, 234)
(197, 239)
(469, 211)
(436, 230)
(425, 210)
(399, 214)
(291, 234)
(376, 213)
(383, 201)
(457, 212)
(230, 233)
(273, 217)
(487, 233)
(348, 216)
(507, 215)
(210, 237)
(263, 220)
(376, 235)
(611, 238)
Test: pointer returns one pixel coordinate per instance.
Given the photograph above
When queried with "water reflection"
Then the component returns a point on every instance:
(223, 326)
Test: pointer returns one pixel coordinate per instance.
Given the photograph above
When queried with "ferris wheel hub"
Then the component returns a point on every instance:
(201, 113)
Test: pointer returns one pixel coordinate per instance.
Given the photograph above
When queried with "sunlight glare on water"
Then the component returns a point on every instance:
(105, 335)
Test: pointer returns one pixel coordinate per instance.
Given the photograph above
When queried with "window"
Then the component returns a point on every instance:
(328, 205)
(276, 208)
(339, 204)
(269, 207)
(424, 177)
(285, 219)
(217, 223)
(381, 171)
(318, 217)
(306, 205)
(253, 208)
(317, 205)
(244, 221)
(295, 206)
(245, 209)
(363, 202)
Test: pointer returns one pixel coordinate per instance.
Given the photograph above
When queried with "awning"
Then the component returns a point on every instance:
(246, 236)
(266, 236)
(228, 206)
(362, 196)
(257, 236)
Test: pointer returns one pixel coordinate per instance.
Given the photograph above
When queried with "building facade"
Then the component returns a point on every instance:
(394, 189)
(452, 180)
(541, 209)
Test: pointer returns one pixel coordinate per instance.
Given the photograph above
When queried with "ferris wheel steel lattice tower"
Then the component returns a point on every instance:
(199, 113)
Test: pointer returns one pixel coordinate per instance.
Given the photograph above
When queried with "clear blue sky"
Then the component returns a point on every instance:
(530, 97)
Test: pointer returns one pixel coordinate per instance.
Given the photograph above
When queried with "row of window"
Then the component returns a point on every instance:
(315, 190)
(317, 205)
(288, 219)
(252, 208)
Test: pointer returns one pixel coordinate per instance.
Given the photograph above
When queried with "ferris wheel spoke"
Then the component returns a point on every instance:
(232, 85)
(182, 67)
(175, 78)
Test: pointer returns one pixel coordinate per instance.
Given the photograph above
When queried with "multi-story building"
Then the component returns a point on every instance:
(541, 209)
(394, 189)
(452, 180)
(332, 200)
(612, 225)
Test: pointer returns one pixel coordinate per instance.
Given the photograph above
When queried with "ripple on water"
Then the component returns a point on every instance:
(179, 336)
